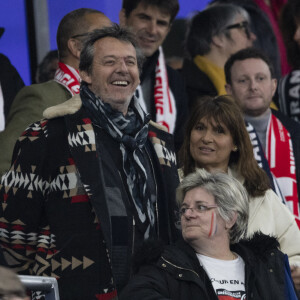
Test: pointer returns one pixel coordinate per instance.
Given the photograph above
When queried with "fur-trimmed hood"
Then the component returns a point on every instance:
(259, 244)
(68, 107)
(72, 106)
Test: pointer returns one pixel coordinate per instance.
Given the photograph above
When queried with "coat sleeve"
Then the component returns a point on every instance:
(149, 284)
(22, 192)
(270, 216)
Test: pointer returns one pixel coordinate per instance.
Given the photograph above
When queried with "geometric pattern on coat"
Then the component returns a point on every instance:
(165, 156)
(84, 137)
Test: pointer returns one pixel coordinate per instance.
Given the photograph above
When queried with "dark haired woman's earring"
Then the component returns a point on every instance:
(235, 148)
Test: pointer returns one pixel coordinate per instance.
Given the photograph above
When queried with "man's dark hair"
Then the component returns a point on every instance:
(209, 23)
(115, 31)
(73, 23)
(170, 7)
(243, 55)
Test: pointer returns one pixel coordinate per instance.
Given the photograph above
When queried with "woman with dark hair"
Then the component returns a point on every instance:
(222, 111)
(216, 139)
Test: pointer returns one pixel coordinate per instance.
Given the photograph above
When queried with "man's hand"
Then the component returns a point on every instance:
(296, 276)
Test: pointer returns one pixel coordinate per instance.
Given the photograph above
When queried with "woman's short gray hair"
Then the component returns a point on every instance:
(230, 197)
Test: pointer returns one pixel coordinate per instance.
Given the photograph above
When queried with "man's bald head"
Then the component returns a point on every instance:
(77, 23)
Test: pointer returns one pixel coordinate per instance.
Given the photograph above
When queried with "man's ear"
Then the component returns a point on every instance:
(228, 89)
(85, 77)
(74, 47)
(122, 17)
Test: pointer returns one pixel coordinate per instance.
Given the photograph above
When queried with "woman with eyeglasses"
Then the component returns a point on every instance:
(212, 262)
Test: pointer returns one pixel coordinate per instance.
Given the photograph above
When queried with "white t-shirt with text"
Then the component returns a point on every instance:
(227, 276)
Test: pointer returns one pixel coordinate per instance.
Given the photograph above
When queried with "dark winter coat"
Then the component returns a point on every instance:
(55, 199)
(198, 83)
(174, 272)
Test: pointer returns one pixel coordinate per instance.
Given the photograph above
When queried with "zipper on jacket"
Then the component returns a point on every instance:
(180, 267)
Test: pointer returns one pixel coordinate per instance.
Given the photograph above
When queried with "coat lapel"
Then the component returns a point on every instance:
(82, 144)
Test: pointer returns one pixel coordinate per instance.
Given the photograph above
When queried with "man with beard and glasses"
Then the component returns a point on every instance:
(92, 180)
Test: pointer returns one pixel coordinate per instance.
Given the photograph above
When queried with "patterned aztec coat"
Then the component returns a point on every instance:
(54, 218)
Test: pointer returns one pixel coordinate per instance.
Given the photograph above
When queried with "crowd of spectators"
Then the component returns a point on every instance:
(158, 158)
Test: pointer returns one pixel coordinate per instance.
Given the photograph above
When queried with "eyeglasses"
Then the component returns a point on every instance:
(242, 25)
(200, 208)
(80, 35)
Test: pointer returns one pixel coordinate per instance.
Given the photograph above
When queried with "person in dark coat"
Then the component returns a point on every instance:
(212, 262)
(99, 178)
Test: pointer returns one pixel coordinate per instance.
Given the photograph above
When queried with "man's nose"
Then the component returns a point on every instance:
(152, 27)
(122, 66)
(253, 84)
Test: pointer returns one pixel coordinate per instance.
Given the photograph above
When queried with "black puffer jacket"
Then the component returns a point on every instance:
(174, 272)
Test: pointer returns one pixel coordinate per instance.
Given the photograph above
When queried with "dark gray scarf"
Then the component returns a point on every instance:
(131, 132)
